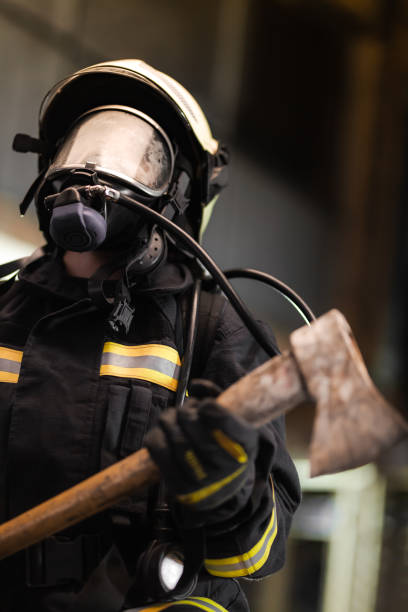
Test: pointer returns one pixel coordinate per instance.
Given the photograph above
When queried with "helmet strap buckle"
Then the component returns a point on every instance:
(176, 200)
(217, 172)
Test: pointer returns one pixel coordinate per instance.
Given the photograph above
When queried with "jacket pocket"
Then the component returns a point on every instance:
(131, 411)
(137, 419)
(118, 397)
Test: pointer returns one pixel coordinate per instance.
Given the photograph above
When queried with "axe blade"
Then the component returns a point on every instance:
(353, 423)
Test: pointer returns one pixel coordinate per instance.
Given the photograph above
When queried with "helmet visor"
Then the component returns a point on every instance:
(121, 143)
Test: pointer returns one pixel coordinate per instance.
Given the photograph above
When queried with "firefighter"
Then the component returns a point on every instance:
(94, 338)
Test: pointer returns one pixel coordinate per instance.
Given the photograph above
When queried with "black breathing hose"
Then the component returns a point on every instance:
(209, 264)
(184, 377)
(277, 284)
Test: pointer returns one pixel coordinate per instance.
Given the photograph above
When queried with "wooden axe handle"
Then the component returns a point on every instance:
(276, 383)
(354, 424)
(85, 499)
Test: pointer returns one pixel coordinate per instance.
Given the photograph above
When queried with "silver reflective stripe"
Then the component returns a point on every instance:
(152, 363)
(247, 563)
(9, 366)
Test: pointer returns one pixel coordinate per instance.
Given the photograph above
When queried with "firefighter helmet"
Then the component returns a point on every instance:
(150, 95)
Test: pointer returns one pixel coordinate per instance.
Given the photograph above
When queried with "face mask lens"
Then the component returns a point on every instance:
(120, 143)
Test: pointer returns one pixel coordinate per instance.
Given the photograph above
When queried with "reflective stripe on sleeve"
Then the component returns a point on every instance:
(196, 496)
(154, 363)
(203, 603)
(249, 562)
(10, 362)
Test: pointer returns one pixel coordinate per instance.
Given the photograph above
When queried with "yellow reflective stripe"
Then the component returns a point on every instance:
(8, 377)
(196, 496)
(245, 563)
(196, 604)
(140, 373)
(233, 448)
(141, 350)
(155, 608)
(251, 561)
(11, 354)
(204, 603)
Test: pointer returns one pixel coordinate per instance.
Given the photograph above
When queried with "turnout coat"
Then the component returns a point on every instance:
(74, 399)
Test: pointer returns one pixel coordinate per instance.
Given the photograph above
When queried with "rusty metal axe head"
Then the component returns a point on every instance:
(353, 424)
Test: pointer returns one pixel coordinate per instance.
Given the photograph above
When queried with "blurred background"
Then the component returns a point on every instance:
(312, 97)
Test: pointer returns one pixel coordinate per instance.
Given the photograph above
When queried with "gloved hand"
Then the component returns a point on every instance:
(206, 456)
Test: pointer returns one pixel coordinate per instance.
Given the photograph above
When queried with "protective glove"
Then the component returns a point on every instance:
(206, 457)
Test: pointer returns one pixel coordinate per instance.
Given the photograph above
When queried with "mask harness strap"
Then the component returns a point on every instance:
(177, 201)
(217, 173)
(28, 198)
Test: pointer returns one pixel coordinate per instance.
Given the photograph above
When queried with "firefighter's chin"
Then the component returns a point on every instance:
(87, 263)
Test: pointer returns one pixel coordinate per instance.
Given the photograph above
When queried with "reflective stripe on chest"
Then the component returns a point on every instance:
(156, 363)
(10, 361)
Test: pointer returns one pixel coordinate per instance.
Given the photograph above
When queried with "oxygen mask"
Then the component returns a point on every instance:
(109, 147)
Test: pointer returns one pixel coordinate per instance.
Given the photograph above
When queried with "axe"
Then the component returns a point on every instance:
(352, 426)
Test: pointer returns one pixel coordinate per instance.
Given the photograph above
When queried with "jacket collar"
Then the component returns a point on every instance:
(48, 274)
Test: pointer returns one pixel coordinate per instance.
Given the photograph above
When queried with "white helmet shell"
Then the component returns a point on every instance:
(180, 96)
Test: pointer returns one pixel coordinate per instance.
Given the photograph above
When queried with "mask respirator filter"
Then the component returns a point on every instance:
(75, 226)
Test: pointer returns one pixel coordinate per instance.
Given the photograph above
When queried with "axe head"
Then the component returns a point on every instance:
(353, 423)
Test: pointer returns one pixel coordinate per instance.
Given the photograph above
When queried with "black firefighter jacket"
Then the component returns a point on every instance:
(74, 399)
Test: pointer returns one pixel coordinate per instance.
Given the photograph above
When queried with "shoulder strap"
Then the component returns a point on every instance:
(211, 305)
